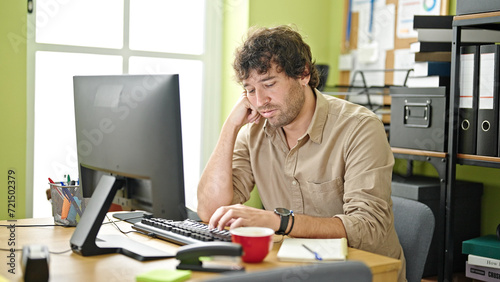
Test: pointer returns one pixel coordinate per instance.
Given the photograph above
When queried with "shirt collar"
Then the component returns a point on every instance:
(318, 121)
(315, 129)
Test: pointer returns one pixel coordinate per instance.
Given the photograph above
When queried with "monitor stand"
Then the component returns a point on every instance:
(136, 216)
(131, 217)
(84, 240)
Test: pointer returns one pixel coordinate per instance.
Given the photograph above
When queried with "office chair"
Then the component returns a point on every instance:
(414, 223)
(323, 71)
(342, 271)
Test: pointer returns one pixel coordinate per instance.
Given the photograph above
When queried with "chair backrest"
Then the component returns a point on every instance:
(414, 223)
(323, 71)
(346, 271)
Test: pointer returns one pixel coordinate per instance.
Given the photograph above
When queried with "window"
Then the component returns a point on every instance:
(92, 37)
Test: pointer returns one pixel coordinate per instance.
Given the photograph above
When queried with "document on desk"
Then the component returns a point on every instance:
(313, 250)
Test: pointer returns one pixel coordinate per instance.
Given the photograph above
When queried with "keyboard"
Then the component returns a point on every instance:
(181, 232)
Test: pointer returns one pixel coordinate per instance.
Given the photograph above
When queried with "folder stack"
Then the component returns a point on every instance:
(439, 29)
(432, 54)
(479, 100)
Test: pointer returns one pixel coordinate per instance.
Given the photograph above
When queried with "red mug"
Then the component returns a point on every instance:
(255, 241)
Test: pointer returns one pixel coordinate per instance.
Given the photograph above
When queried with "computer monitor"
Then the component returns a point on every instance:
(128, 130)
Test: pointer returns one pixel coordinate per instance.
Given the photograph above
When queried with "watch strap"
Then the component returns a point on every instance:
(293, 221)
(283, 224)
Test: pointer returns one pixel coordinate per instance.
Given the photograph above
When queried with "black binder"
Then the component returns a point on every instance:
(432, 21)
(487, 123)
(469, 97)
(426, 46)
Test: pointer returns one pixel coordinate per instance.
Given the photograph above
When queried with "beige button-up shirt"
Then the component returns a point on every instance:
(341, 167)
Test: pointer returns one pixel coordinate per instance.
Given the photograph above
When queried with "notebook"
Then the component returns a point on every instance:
(313, 250)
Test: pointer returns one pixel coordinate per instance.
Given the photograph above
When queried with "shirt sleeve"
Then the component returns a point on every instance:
(369, 162)
(243, 180)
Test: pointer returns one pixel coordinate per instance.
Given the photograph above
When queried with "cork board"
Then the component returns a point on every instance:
(399, 43)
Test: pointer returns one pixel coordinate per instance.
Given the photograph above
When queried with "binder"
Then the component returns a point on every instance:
(468, 101)
(430, 68)
(425, 46)
(428, 81)
(487, 115)
(468, 35)
(432, 28)
(432, 21)
(433, 56)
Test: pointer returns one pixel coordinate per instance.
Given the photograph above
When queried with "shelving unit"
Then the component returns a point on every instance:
(445, 163)
(439, 160)
(485, 161)
(479, 21)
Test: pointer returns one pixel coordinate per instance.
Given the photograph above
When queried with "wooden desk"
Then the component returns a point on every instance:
(116, 267)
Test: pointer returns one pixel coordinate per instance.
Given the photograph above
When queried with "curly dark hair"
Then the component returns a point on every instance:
(281, 45)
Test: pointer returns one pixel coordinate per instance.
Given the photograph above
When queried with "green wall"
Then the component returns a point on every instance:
(235, 27)
(453, 7)
(318, 22)
(13, 108)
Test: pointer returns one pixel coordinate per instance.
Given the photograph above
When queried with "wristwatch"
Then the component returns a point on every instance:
(285, 217)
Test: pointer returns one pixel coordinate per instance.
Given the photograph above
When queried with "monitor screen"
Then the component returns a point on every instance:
(130, 126)
(128, 130)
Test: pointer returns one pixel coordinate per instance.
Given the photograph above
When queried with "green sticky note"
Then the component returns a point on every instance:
(164, 275)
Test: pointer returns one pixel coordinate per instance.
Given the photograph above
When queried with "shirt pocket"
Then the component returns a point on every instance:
(324, 199)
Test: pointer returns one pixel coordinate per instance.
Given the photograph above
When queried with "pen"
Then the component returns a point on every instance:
(55, 187)
(316, 255)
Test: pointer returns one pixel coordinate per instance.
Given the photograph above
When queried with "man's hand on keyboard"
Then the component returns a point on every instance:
(241, 215)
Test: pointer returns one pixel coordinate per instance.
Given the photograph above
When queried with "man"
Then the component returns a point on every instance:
(322, 165)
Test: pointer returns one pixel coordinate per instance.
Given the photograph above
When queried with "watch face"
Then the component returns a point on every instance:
(282, 211)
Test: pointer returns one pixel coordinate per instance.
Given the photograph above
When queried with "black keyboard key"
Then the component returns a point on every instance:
(181, 232)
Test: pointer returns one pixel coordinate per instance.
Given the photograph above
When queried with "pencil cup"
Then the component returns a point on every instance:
(67, 204)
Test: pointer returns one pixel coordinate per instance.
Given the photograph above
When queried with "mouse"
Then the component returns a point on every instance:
(35, 263)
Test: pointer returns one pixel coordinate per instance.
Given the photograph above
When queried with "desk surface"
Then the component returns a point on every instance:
(116, 267)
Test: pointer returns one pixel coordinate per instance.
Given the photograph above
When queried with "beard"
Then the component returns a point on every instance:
(291, 108)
